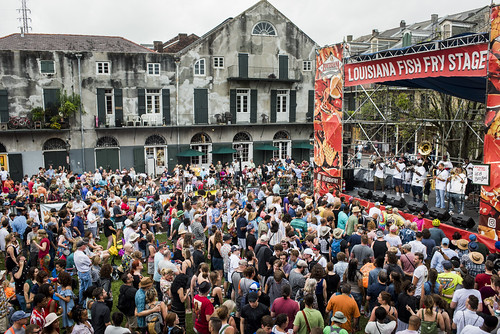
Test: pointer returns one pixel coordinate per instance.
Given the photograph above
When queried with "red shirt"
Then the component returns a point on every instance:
(287, 306)
(482, 280)
(37, 318)
(41, 254)
(202, 307)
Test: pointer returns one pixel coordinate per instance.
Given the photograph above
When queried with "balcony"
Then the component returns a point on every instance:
(265, 74)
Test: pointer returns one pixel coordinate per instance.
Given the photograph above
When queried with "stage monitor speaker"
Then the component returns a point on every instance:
(379, 196)
(348, 176)
(463, 221)
(365, 193)
(441, 214)
(416, 206)
(395, 201)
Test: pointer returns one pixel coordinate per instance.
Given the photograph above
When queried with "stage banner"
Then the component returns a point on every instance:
(45, 208)
(489, 221)
(464, 61)
(328, 118)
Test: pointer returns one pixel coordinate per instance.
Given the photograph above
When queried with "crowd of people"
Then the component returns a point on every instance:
(182, 249)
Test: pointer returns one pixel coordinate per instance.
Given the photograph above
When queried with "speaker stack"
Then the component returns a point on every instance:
(463, 221)
(379, 196)
(365, 193)
(395, 201)
(417, 206)
(441, 214)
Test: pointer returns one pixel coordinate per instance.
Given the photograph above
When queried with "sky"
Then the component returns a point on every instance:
(326, 22)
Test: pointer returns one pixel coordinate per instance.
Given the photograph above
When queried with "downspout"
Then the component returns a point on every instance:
(79, 56)
(177, 61)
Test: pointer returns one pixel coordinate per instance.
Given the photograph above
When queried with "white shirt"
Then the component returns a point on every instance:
(421, 273)
(469, 329)
(441, 179)
(418, 180)
(3, 234)
(233, 265)
(127, 232)
(4, 174)
(418, 247)
(456, 185)
(116, 330)
(469, 169)
(375, 327)
(82, 262)
(375, 210)
(399, 175)
(467, 317)
(91, 219)
(379, 170)
(460, 297)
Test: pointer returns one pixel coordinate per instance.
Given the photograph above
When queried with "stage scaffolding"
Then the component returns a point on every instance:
(381, 131)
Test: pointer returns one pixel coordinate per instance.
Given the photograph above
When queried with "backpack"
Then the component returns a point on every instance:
(154, 323)
(335, 247)
(428, 327)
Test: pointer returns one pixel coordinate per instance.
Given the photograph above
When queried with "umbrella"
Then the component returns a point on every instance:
(190, 153)
(266, 148)
(304, 146)
(224, 150)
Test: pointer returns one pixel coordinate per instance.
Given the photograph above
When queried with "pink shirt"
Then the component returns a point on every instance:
(420, 223)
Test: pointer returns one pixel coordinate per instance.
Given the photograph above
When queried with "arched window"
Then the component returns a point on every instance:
(54, 144)
(282, 141)
(154, 140)
(264, 28)
(106, 141)
(199, 67)
(202, 142)
(243, 140)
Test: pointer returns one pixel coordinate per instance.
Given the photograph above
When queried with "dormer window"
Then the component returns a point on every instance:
(264, 29)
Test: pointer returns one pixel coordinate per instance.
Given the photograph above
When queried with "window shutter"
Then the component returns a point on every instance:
(283, 67)
(293, 106)
(232, 105)
(165, 94)
(118, 107)
(101, 107)
(273, 106)
(4, 106)
(310, 106)
(141, 101)
(43, 67)
(201, 106)
(253, 106)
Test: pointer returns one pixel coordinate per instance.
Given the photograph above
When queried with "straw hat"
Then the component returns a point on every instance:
(146, 283)
(324, 230)
(339, 317)
(252, 216)
(337, 233)
(476, 257)
(355, 209)
(462, 244)
(50, 318)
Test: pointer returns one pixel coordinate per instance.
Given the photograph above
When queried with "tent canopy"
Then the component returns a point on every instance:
(224, 150)
(266, 148)
(190, 153)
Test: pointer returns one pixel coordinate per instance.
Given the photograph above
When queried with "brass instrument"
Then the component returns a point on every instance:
(425, 148)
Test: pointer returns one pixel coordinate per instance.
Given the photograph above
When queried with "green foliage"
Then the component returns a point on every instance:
(37, 114)
(403, 101)
(69, 104)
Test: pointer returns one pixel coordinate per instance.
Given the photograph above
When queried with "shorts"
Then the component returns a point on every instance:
(151, 268)
(218, 263)
(398, 182)
(132, 321)
(119, 225)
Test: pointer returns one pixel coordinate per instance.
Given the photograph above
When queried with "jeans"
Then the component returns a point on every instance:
(85, 283)
(93, 230)
(440, 198)
(22, 301)
(458, 200)
(358, 298)
(417, 192)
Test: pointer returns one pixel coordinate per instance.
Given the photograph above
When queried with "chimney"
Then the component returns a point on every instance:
(158, 46)
(434, 18)
(402, 24)
(349, 38)
(374, 32)
(182, 36)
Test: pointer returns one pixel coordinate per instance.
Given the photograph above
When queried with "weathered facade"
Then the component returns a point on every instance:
(247, 83)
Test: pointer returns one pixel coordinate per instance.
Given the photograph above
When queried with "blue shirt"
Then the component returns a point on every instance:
(78, 223)
(19, 225)
(140, 304)
(342, 220)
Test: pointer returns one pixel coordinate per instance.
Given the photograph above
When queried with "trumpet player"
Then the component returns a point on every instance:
(399, 167)
(458, 182)
(440, 177)
(378, 176)
(418, 181)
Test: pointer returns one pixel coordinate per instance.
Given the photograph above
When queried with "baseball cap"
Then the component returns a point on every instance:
(308, 251)
(234, 248)
(81, 243)
(380, 234)
(447, 265)
(19, 315)
(472, 237)
(473, 246)
(301, 263)
(445, 241)
(227, 237)
(204, 287)
(253, 297)
(255, 286)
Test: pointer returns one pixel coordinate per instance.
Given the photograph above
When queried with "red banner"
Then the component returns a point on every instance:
(467, 61)
(489, 219)
(328, 89)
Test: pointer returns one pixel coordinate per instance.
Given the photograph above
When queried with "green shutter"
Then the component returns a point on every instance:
(310, 106)
(293, 106)
(101, 107)
(47, 66)
(118, 107)
(165, 94)
(232, 105)
(50, 99)
(283, 66)
(141, 101)
(201, 106)
(253, 106)
(243, 65)
(139, 162)
(4, 106)
(273, 105)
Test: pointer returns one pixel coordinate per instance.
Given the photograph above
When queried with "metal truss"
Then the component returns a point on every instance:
(449, 43)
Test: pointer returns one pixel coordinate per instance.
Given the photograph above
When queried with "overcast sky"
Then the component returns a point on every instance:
(326, 21)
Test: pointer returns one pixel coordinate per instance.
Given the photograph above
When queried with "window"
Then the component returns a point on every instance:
(282, 141)
(47, 67)
(203, 143)
(153, 68)
(242, 99)
(199, 67)
(103, 67)
(243, 140)
(446, 31)
(264, 29)
(307, 65)
(218, 62)
(282, 101)
(153, 98)
(108, 100)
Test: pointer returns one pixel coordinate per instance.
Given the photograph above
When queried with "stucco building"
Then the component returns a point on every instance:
(247, 83)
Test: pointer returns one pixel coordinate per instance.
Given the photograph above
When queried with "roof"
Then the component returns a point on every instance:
(179, 42)
(63, 42)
